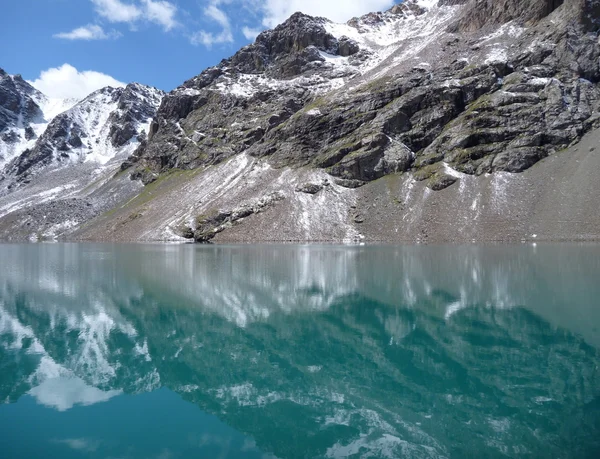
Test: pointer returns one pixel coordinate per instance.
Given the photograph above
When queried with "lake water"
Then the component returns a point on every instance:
(184, 351)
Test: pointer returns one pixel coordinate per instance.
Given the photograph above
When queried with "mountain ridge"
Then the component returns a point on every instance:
(302, 51)
(431, 96)
(106, 119)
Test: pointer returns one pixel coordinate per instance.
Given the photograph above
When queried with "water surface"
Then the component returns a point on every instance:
(166, 351)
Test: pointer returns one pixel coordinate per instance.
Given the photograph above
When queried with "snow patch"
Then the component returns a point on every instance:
(508, 30)
(496, 55)
(539, 81)
(427, 4)
(452, 172)
(63, 393)
(452, 83)
(333, 59)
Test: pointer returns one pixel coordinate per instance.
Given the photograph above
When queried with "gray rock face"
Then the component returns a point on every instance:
(288, 49)
(502, 96)
(480, 13)
(204, 106)
(100, 124)
(18, 109)
(136, 105)
(207, 226)
(16, 100)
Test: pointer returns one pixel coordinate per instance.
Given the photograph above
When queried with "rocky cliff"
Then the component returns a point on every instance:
(18, 114)
(96, 128)
(308, 122)
(480, 86)
(55, 149)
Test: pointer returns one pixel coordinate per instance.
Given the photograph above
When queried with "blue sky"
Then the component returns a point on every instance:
(69, 48)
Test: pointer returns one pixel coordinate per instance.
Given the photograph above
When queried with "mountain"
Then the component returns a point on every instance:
(56, 153)
(390, 92)
(440, 120)
(24, 114)
(108, 122)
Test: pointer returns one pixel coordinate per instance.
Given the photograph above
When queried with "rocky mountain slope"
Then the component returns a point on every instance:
(389, 92)
(95, 129)
(24, 114)
(324, 131)
(53, 149)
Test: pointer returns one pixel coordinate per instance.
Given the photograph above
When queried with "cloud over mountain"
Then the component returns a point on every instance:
(67, 82)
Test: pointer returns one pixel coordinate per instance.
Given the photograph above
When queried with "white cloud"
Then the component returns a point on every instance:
(117, 11)
(88, 32)
(277, 11)
(250, 33)
(160, 12)
(208, 39)
(157, 11)
(64, 393)
(81, 444)
(67, 82)
(213, 12)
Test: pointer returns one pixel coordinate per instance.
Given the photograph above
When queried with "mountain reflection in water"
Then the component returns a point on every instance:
(310, 351)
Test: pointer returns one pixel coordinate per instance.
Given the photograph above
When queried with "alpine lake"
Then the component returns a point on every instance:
(299, 351)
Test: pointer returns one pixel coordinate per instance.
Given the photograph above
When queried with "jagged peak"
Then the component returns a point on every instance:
(478, 14)
(121, 96)
(116, 92)
(19, 83)
(282, 52)
(107, 90)
(107, 122)
(301, 38)
(134, 86)
(297, 19)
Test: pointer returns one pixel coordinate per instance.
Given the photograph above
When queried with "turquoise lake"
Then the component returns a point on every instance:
(187, 351)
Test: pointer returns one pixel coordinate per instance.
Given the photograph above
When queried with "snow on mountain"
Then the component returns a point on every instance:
(446, 92)
(87, 127)
(108, 123)
(24, 115)
(58, 153)
(383, 29)
(51, 107)
(18, 111)
(403, 31)
(359, 46)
